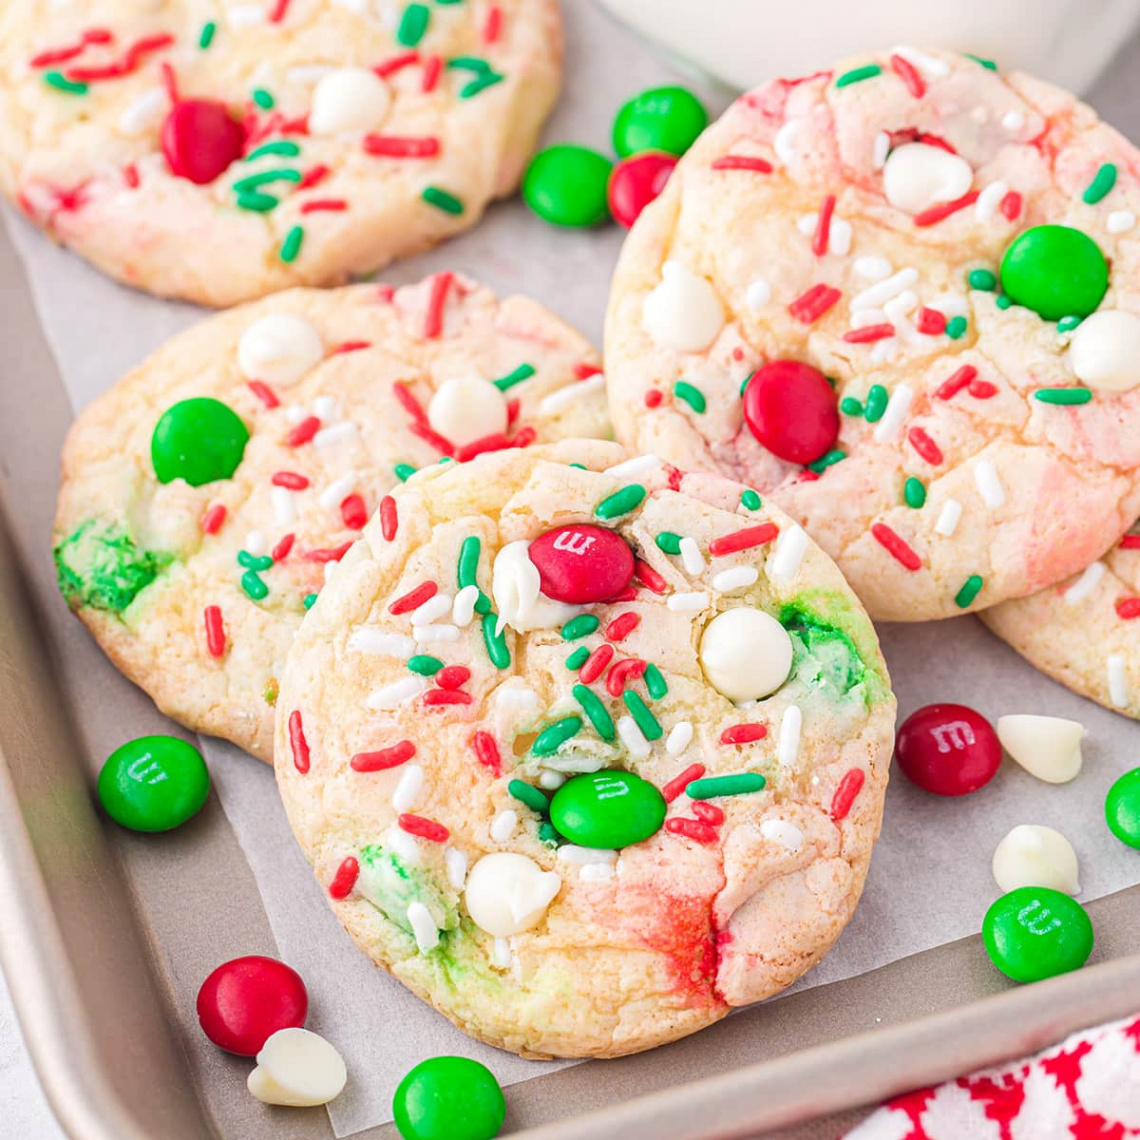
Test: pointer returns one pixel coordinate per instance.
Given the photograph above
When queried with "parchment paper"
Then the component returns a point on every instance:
(930, 880)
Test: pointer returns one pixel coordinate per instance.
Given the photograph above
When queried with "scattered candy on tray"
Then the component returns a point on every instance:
(154, 783)
(1033, 933)
(449, 1098)
(566, 185)
(1035, 856)
(297, 1068)
(1122, 808)
(635, 181)
(948, 749)
(247, 1000)
(662, 118)
(1048, 747)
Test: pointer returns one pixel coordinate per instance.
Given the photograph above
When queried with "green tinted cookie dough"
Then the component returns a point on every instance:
(824, 656)
(100, 566)
(391, 886)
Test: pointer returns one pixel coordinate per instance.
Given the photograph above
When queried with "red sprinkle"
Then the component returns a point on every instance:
(424, 828)
(649, 577)
(622, 626)
(384, 758)
(743, 162)
(290, 480)
(1010, 205)
(303, 432)
(925, 446)
(351, 346)
(437, 298)
(452, 676)
(398, 146)
(896, 546)
(409, 403)
(1128, 608)
(264, 393)
(595, 665)
(278, 13)
(61, 55)
(298, 743)
(345, 878)
(487, 752)
(944, 210)
(215, 631)
(281, 550)
(130, 61)
(353, 512)
(932, 322)
(329, 553)
(908, 73)
(584, 371)
(494, 442)
(743, 734)
(389, 519)
(654, 397)
(822, 235)
(324, 205)
(413, 599)
(708, 813)
(211, 521)
(446, 697)
(1130, 542)
(675, 477)
(691, 829)
(849, 788)
(679, 783)
(131, 176)
(629, 594)
(433, 66)
(493, 25)
(950, 387)
(312, 176)
(524, 437)
(396, 63)
(810, 306)
(169, 81)
(745, 539)
(982, 389)
(869, 333)
(513, 409)
(624, 671)
(432, 437)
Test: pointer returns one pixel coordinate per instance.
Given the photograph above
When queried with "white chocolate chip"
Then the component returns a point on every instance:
(683, 311)
(1104, 351)
(348, 99)
(1048, 747)
(508, 893)
(1035, 856)
(279, 349)
(297, 1068)
(745, 653)
(466, 409)
(917, 176)
(517, 589)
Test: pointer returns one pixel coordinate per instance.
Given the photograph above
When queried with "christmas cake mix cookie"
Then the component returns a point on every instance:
(206, 497)
(1085, 631)
(586, 752)
(220, 151)
(901, 297)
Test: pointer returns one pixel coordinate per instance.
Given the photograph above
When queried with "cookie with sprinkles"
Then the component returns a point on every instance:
(900, 297)
(586, 752)
(219, 152)
(208, 495)
(1085, 631)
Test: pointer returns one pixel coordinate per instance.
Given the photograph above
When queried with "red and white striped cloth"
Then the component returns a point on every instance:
(1087, 1088)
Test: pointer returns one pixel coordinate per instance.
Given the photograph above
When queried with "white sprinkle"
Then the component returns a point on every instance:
(871, 267)
(948, 518)
(980, 114)
(501, 953)
(330, 570)
(897, 407)
(335, 492)
(885, 349)
(989, 200)
(784, 142)
(245, 15)
(989, 484)
(294, 413)
(456, 863)
(632, 737)
(734, 578)
(1119, 221)
(255, 543)
(867, 317)
(423, 927)
(397, 693)
(366, 640)
(789, 553)
(952, 304)
(435, 607)
(631, 468)
(839, 239)
(807, 223)
(432, 634)
(596, 872)
(564, 397)
(308, 74)
(463, 608)
(1013, 120)
(570, 853)
(679, 738)
(143, 111)
(1117, 681)
(874, 296)
(551, 781)
(880, 148)
(758, 294)
(1083, 587)
(572, 762)
(338, 433)
(503, 825)
(324, 407)
(517, 697)
(408, 790)
(898, 307)
(691, 557)
(928, 63)
(406, 846)
(788, 746)
(784, 833)
(685, 603)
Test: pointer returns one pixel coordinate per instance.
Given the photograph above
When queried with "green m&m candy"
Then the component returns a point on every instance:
(449, 1098)
(1056, 271)
(607, 809)
(198, 440)
(154, 783)
(1122, 808)
(662, 118)
(566, 185)
(1035, 932)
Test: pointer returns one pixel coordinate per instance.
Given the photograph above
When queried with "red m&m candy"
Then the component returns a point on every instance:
(949, 750)
(245, 1001)
(792, 410)
(582, 564)
(635, 182)
(200, 140)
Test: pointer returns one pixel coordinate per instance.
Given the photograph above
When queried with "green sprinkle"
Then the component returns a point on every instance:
(442, 200)
(469, 63)
(258, 203)
(482, 604)
(692, 396)
(424, 664)
(481, 84)
(523, 372)
(60, 82)
(639, 710)
(1102, 183)
(981, 279)
(713, 786)
(829, 459)
(467, 566)
(1002, 301)
(551, 738)
(969, 591)
(578, 466)
(669, 542)
(578, 658)
(547, 832)
(263, 98)
(310, 601)
(404, 471)
(529, 795)
(291, 246)
(581, 626)
(206, 35)
(286, 148)
(595, 710)
(956, 327)
(1067, 324)
(253, 585)
(495, 642)
(877, 397)
(750, 500)
(1063, 395)
(620, 502)
(655, 682)
(413, 24)
(914, 493)
(858, 74)
(254, 562)
(849, 406)
(986, 63)
(256, 181)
